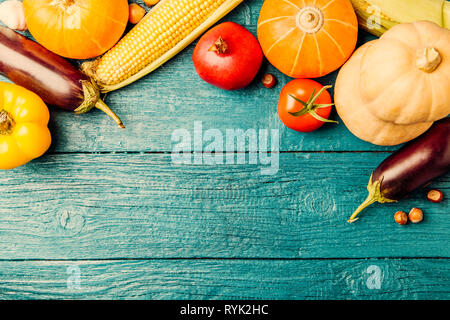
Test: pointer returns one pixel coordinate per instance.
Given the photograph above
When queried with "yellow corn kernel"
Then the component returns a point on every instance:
(168, 28)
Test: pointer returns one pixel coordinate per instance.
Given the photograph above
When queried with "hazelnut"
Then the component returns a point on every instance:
(435, 196)
(401, 217)
(268, 80)
(415, 215)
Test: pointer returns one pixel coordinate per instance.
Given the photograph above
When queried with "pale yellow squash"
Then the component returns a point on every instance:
(405, 75)
(355, 115)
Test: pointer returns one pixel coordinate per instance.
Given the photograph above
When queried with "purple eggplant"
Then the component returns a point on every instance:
(54, 79)
(413, 166)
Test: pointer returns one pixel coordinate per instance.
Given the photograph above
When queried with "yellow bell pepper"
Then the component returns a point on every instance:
(24, 134)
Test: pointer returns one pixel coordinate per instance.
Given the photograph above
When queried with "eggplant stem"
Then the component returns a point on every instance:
(375, 195)
(370, 200)
(102, 106)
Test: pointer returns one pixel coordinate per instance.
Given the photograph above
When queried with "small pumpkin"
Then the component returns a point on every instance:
(307, 38)
(77, 29)
(405, 75)
(360, 121)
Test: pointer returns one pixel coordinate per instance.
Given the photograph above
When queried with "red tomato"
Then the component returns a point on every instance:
(293, 113)
(228, 56)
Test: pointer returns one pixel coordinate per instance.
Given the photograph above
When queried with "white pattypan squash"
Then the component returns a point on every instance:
(405, 75)
(358, 119)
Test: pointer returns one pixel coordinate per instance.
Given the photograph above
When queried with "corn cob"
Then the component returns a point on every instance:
(378, 16)
(166, 30)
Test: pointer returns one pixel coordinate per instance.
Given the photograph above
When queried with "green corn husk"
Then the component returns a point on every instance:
(378, 16)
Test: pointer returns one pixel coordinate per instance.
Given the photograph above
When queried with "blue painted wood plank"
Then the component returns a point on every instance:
(137, 205)
(175, 97)
(142, 205)
(226, 279)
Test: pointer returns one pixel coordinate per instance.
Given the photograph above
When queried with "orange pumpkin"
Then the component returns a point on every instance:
(307, 38)
(77, 29)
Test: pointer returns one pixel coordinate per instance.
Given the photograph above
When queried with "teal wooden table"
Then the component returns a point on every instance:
(107, 214)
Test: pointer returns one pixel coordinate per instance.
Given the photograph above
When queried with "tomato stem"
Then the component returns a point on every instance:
(310, 106)
(7, 123)
(315, 115)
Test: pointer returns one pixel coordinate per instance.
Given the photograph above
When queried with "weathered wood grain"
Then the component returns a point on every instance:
(174, 97)
(84, 201)
(227, 279)
(141, 205)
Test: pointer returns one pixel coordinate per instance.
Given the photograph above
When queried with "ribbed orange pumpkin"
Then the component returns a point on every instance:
(307, 38)
(77, 29)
